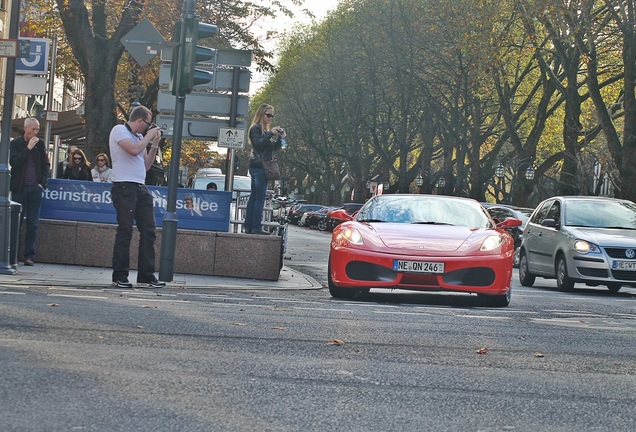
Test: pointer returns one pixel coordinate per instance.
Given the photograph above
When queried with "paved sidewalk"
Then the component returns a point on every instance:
(48, 275)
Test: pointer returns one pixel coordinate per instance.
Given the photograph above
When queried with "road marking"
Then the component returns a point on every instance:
(14, 293)
(78, 296)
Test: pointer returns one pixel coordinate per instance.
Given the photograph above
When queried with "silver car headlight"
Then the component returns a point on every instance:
(585, 247)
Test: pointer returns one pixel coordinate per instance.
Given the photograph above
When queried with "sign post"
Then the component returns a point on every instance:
(5, 138)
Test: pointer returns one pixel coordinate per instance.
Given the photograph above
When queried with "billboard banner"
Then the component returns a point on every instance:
(87, 201)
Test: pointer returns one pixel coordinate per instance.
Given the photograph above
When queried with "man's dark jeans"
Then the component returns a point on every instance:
(133, 202)
(31, 200)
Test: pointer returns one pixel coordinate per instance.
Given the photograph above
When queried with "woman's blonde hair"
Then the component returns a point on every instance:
(260, 113)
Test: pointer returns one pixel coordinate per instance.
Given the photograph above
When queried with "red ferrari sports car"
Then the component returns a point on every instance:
(422, 242)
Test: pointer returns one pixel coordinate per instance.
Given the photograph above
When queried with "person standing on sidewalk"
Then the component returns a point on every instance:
(131, 159)
(265, 140)
(29, 177)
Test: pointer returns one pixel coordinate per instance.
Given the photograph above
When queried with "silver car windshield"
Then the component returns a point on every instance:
(605, 214)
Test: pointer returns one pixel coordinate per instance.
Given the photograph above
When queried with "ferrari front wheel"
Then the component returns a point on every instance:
(499, 300)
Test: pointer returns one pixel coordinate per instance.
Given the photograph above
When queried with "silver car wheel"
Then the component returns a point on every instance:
(563, 280)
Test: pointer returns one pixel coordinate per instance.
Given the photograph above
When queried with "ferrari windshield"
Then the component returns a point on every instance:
(425, 209)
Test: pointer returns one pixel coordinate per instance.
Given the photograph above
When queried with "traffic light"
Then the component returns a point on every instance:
(184, 73)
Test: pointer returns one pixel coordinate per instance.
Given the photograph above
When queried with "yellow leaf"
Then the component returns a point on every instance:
(53, 304)
(482, 351)
(139, 326)
(239, 324)
(279, 328)
(335, 342)
(538, 354)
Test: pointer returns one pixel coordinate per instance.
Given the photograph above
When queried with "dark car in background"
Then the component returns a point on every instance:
(500, 212)
(297, 211)
(316, 219)
(333, 221)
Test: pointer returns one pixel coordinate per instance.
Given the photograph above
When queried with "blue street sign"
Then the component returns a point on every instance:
(37, 63)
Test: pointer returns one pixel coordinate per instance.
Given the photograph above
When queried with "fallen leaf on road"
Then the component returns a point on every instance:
(279, 328)
(149, 307)
(482, 351)
(53, 304)
(538, 354)
(335, 342)
(139, 326)
(240, 324)
(100, 337)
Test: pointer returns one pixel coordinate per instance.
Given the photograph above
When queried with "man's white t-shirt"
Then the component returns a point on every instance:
(126, 167)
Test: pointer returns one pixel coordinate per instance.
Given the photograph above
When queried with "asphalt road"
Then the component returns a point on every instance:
(227, 360)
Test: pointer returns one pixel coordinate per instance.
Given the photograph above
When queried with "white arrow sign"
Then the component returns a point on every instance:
(232, 138)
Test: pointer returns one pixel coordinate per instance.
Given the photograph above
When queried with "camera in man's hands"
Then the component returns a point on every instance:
(153, 126)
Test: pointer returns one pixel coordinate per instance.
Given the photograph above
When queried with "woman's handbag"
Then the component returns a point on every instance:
(272, 170)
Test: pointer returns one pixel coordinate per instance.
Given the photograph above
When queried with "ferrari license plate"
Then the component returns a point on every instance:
(624, 265)
(418, 266)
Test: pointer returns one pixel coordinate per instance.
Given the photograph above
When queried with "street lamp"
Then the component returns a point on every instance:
(500, 171)
(530, 173)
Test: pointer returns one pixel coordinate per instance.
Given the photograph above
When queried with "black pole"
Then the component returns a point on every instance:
(229, 173)
(170, 220)
(5, 174)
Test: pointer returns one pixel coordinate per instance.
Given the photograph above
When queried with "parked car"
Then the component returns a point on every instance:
(241, 183)
(500, 212)
(333, 221)
(573, 239)
(316, 219)
(297, 211)
(422, 242)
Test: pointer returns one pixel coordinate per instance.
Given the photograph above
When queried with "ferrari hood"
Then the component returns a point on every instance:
(422, 238)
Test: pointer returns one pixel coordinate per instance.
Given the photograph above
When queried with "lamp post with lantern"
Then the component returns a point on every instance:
(515, 178)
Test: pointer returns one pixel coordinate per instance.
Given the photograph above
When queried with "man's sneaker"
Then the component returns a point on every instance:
(152, 283)
(122, 283)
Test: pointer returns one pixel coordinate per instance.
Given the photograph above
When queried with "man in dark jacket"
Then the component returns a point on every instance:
(29, 177)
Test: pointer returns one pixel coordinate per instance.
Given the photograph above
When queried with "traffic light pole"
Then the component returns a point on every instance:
(5, 139)
(170, 220)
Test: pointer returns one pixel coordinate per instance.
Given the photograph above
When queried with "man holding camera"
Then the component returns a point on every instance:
(133, 147)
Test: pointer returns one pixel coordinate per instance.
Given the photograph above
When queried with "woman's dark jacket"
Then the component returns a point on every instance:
(263, 145)
(18, 154)
(78, 173)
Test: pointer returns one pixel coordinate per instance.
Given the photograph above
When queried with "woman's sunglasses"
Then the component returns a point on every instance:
(269, 115)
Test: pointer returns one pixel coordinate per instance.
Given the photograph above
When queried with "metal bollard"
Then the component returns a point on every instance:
(16, 215)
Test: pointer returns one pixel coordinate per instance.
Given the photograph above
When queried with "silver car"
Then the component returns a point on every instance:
(573, 239)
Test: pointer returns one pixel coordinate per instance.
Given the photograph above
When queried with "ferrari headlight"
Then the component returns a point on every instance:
(491, 242)
(352, 235)
(583, 247)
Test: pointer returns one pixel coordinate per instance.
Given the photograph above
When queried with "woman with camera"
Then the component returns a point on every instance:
(265, 140)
